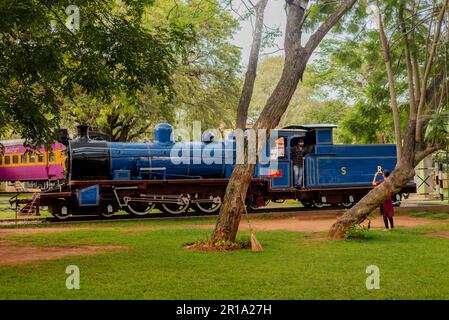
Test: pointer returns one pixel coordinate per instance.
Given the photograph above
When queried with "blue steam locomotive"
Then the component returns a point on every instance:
(175, 177)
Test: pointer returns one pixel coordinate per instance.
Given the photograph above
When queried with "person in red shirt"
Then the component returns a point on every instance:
(386, 208)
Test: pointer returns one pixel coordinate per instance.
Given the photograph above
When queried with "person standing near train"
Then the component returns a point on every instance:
(386, 208)
(298, 162)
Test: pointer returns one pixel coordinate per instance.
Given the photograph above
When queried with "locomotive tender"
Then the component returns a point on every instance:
(105, 177)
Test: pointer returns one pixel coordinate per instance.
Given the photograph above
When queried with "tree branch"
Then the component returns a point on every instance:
(408, 59)
(327, 25)
(429, 63)
(391, 83)
(251, 73)
(419, 156)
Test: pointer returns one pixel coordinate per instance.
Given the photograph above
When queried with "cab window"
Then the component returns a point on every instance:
(278, 149)
(51, 156)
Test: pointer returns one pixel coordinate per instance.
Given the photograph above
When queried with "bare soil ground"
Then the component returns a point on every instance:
(130, 230)
(17, 231)
(316, 224)
(313, 222)
(12, 254)
(439, 235)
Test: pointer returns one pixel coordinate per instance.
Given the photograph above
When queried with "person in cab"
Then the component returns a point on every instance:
(298, 152)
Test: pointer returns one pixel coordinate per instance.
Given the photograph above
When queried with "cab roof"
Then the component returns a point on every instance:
(309, 127)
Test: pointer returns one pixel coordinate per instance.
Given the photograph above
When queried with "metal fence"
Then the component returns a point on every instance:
(432, 176)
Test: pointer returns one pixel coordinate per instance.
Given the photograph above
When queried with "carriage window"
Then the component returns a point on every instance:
(278, 149)
(51, 157)
(23, 159)
(40, 158)
(1, 160)
(32, 158)
(7, 160)
(15, 159)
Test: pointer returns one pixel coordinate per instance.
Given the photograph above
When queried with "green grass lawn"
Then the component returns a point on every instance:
(293, 266)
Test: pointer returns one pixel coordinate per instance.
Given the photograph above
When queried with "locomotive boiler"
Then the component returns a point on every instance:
(162, 159)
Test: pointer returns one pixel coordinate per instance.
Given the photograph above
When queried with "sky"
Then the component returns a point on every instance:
(275, 16)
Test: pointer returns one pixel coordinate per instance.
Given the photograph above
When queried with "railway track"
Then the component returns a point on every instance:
(193, 215)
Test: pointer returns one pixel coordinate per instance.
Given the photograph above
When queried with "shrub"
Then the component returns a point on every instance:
(356, 232)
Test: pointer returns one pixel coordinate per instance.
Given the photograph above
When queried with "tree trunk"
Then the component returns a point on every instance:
(251, 73)
(296, 58)
(228, 224)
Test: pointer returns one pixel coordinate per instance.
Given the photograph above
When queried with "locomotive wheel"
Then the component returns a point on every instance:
(174, 208)
(318, 204)
(307, 204)
(347, 204)
(209, 207)
(252, 206)
(140, 208)
(59, 211)
(105, 213)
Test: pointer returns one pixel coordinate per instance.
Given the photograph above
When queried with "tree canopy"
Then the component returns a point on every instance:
(44, 59)
(351, 67)
(205, 78)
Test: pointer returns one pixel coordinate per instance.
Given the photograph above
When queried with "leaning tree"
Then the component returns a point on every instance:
(323, 15)
(414, 35)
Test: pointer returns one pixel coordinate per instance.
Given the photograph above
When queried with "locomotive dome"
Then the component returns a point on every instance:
(163, 134)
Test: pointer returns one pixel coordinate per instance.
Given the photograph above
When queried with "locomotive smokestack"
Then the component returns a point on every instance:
(83, 132)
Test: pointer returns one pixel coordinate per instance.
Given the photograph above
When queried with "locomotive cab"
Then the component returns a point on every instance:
(315, 134)
(280, 168)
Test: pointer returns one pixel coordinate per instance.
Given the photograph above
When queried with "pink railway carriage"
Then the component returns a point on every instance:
(40, 168)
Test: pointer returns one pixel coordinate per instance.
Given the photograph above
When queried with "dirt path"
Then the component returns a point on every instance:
(309, 224)
(5, 232)
(17, 231)
(12, 254)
